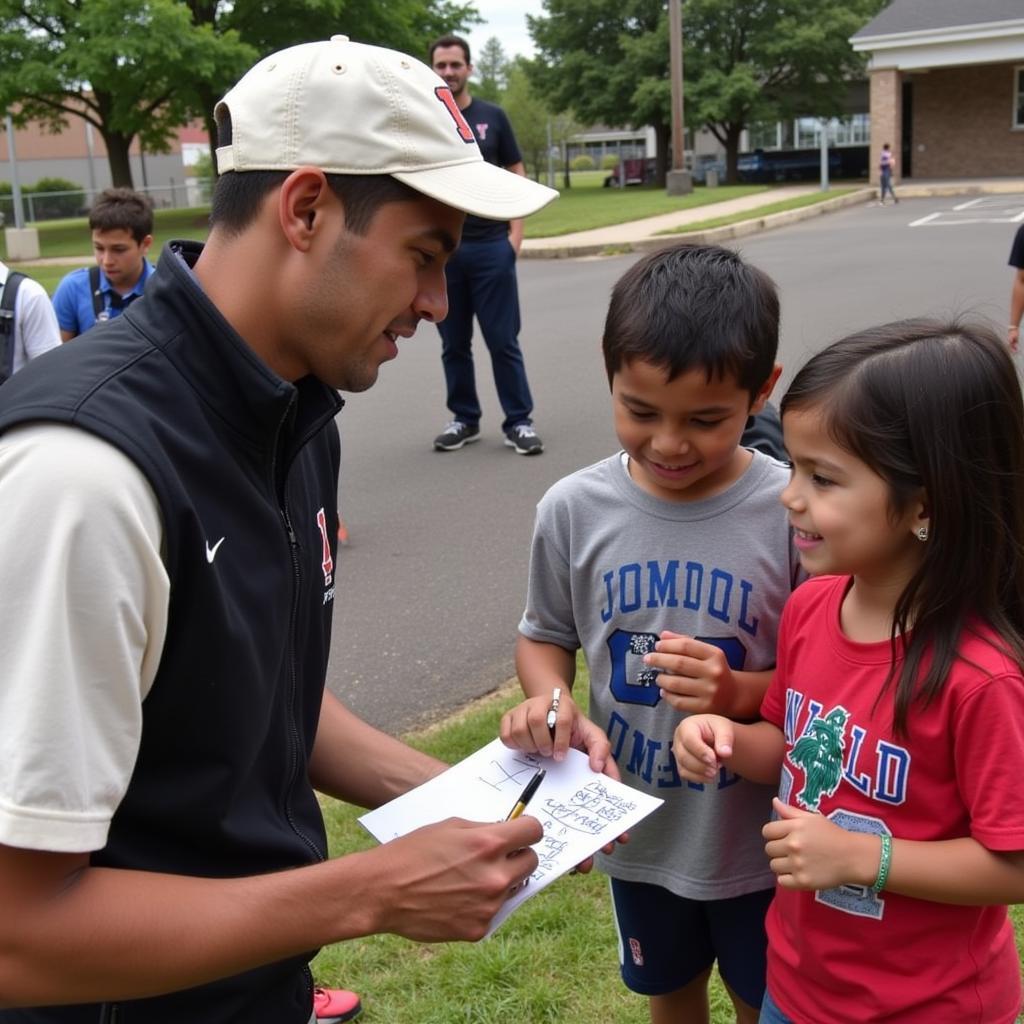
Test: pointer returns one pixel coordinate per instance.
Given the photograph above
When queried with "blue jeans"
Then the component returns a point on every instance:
(770, 1013)
(481, 279)
(885, 184)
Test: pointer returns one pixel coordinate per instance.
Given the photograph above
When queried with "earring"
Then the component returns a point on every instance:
(921, 533)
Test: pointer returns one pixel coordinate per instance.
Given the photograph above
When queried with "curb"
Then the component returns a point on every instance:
(709, 236)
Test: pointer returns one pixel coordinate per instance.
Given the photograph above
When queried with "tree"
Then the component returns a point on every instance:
(529, 116)
(142, 68)
(118, 64)
(749, 62)
(492, 69)
(744, 61)
(406, 25)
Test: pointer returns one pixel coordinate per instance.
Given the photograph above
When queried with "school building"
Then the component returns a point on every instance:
(947, 87)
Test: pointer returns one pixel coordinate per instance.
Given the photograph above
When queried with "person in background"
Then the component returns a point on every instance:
(482, 281)
(28, 327)
(886, 167)
(121, 222)
(1016, 289)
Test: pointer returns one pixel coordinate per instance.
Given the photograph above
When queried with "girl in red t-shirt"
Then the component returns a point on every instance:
(895, 719)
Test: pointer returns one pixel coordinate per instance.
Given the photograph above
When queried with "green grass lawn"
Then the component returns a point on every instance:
(585, 205)
(555, 960)
(71, 237)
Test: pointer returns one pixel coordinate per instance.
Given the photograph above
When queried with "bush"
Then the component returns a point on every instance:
(69, 202)
(609, 162)
(582, 163)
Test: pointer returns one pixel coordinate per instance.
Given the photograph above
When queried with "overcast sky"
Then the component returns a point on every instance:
(505, 19)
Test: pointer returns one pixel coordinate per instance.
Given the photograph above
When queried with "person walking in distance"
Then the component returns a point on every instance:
(886, 166)
(481, 279)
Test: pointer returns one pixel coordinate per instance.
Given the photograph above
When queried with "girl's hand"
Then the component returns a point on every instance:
(807, 851)
(525, 727)
(701, 745)
(695, 676)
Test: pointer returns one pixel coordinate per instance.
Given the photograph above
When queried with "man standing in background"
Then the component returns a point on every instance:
(481, 278)
(1017, 289)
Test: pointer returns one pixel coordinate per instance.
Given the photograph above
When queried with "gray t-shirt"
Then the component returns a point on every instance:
(611, 567)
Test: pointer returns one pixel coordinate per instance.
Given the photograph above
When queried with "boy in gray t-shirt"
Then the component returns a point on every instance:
(668, 564)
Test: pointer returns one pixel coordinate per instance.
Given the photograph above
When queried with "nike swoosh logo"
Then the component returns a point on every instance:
(211, 553)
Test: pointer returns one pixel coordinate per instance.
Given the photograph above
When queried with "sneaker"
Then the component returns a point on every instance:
(455, 435)
(335, 1005)
(524, 439)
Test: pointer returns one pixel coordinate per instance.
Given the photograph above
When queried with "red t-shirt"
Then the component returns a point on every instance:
(846, 954)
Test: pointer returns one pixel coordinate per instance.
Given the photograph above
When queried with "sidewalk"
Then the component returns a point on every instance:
(643, 235)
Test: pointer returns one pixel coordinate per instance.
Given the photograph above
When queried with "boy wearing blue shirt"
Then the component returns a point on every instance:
(121, 222)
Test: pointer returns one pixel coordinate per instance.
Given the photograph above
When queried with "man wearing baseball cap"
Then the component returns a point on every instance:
(168, 557)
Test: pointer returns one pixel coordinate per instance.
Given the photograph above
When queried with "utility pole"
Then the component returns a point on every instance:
(678, 180)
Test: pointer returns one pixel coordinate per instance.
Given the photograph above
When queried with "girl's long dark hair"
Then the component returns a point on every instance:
(936, 405)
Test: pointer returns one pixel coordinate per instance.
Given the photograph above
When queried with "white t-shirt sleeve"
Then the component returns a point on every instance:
(35, 323)
(83, 617)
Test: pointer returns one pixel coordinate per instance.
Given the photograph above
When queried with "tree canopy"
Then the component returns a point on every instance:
(491, 71)
(743, 61)
(142, 68)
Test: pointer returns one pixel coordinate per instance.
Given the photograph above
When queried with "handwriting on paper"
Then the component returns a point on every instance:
(579, 810)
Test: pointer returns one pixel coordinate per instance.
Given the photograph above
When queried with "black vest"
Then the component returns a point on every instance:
(244, 466)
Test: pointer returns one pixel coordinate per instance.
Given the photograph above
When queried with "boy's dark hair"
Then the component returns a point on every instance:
(239, 195)
(448, 40)
(935, 406)
(694, 306)
(122, 209)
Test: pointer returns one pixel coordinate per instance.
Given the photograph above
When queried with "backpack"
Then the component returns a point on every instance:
(10, 294)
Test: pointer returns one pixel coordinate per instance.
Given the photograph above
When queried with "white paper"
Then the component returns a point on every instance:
(581, 810)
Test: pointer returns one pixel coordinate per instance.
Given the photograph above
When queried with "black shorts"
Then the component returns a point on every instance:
(665, 941)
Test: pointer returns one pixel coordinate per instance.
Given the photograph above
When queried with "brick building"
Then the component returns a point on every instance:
(78, 154)
(947, 87)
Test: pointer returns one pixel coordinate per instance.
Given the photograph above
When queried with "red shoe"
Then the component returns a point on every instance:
(336, 1005)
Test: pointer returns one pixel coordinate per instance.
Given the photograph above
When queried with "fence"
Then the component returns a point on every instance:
(44, 206)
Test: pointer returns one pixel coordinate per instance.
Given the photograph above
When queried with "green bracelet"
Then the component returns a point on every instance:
(883, 864)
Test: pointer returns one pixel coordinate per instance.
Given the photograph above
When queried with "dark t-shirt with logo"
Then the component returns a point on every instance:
(498, 145)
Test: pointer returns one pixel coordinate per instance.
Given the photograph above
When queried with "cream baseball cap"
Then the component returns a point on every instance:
(350, 108)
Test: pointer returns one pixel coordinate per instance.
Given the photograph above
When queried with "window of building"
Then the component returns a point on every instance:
(1018, 96)
(853, 130)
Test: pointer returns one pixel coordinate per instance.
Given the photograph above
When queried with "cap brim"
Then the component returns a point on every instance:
(480, 188)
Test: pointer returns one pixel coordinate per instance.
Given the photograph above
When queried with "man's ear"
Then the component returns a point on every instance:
(766, 389)
(302, 204)
(145, 244)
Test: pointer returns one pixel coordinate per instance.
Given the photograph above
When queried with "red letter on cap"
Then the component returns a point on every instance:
(444, 94)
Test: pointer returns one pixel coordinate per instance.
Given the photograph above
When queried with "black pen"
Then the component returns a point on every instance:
(527, 795)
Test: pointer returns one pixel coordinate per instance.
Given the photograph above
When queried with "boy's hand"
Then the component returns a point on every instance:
(807, 851)
(701, 745)
(525, 727)
(695, 677)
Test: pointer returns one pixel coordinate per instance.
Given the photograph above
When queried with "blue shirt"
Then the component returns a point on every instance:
(72, 301)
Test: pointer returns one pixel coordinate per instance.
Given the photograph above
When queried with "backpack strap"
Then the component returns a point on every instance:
(7, 300)
(95, 290)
